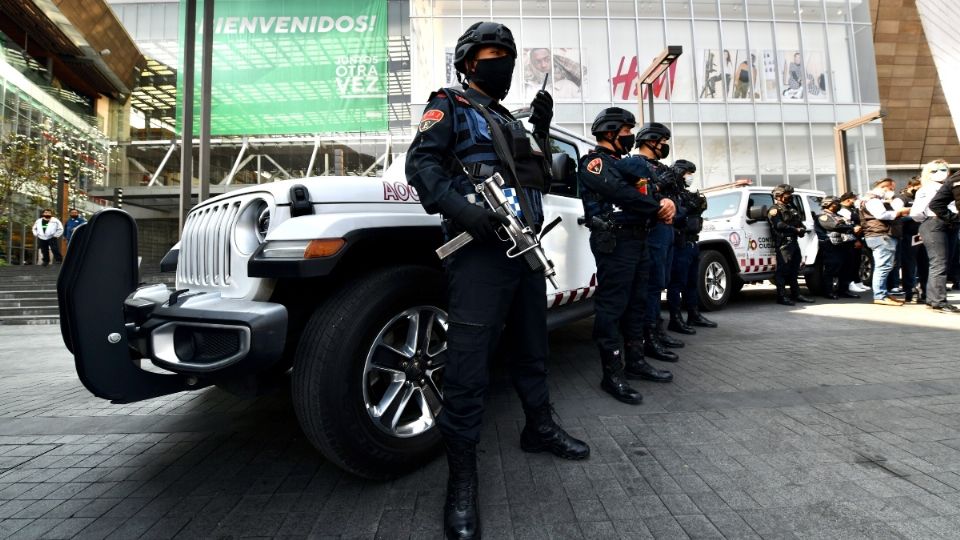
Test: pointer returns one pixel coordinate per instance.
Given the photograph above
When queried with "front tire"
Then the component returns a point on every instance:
(368, 370)
(715, 282)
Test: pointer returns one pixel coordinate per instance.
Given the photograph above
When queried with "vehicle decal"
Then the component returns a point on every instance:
(761, 264)
(595, 165)
(735, 239)
(430, 119)
(753, 244)
(398, 191)
(576, 295)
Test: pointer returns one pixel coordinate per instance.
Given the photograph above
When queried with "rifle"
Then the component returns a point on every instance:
(525, 242)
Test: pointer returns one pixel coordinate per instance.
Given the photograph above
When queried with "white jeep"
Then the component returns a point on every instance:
(329, 282)
(737, 245)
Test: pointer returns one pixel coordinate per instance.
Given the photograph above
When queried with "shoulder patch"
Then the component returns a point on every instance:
(595, 166)
(641, 186)
(824, 217)
(430, 119)
(772, 212)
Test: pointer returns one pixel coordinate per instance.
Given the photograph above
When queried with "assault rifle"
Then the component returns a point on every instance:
(525, 242)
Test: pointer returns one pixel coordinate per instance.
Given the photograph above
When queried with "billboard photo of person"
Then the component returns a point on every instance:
(712, 77)
(792, 84)
(816, 76)
(564, 65)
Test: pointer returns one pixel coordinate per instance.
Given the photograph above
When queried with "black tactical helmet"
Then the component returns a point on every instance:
(612, 119)
(653, 131)
(827, 202)
(781, 189)
(684, 167)
(482, 33)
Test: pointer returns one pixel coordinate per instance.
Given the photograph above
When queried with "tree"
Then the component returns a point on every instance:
(26, 168)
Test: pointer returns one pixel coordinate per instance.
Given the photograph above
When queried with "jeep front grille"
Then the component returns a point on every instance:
(205, 246)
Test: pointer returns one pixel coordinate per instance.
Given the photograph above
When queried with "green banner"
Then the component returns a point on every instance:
(283, 67)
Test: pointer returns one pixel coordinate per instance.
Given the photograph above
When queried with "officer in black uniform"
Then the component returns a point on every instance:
(686, 254)
(618, 213)
(786, 225)
(836, 237)
(652, 143)
(453, 149)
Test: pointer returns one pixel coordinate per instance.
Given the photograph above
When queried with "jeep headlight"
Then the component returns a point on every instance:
(252, 226)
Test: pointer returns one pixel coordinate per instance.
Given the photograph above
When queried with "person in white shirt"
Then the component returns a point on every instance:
(48, 231)
(934, 231)
(879, 214)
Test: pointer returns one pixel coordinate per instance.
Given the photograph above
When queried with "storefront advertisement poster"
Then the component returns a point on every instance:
(714, 82)
(563, 65)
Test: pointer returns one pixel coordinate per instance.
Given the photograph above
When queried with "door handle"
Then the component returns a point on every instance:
(582, 220)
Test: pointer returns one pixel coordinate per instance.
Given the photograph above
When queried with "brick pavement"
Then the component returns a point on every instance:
(823, 421)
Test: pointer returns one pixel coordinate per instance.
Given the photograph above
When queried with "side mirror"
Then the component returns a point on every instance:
(757, 213)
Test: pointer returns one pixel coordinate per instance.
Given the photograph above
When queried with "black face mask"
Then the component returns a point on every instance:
(493, 76)
(626, 142)
(663, 152)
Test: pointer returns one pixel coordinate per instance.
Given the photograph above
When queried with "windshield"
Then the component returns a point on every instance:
(722, 206)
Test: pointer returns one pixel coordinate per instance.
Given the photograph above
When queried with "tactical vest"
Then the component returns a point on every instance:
(596, 206)
(473, 145)
(876, 227)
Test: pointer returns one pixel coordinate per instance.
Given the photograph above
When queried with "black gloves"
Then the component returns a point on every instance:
(542, 107)
(480, 222)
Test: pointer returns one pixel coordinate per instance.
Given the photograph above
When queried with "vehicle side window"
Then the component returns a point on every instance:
(722, 206)
(813, 202)
(758, 200)
(570, 187)
(797, 205)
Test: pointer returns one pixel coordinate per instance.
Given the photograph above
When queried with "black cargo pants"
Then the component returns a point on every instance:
(788, 267)
(621, 297)
(490, 293)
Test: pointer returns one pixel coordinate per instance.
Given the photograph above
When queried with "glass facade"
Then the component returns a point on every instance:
(755, 94)
(46, 135)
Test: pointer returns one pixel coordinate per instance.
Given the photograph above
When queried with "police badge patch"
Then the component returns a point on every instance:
(430, 118)
(595, 166)
(773, 212)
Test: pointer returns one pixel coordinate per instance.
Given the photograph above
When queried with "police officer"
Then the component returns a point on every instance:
(618, 212)
(454, 147)
(786, 225)
(837, 237)
(652, 143)
(685, 268)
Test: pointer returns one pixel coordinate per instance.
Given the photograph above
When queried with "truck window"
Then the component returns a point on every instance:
(760, 199)
(722, 206)
(813, 201)
(572, 187)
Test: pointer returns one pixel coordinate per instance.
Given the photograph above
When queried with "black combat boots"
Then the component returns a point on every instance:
(797, 297)
(614, 382)
(678, 325)
(694, 318)
(666, 339)
(783, 299)
(542, 434)
(638, 368)
(461, 514)
(653, 348)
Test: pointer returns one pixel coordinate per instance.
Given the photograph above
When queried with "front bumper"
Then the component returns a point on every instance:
(203, 333)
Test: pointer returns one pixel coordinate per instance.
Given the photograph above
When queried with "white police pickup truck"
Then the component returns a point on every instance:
(737, 245)
(329, 282)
